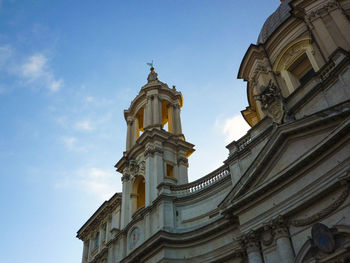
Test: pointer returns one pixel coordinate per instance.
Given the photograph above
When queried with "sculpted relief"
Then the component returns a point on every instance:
(271, 102)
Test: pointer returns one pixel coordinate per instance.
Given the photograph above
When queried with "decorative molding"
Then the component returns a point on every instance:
(152, 149)
(182, 161)
(276, 229)
(250, 241)
(322, 10)
(326, 211)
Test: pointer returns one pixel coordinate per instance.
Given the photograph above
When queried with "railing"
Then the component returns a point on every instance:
(201, 183)
(243, 142)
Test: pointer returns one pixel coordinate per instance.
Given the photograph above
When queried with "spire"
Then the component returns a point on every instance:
(152, 76)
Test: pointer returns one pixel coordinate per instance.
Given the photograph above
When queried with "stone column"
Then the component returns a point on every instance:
(252, 246)
(284, 246)
(177, 120)
(133, 132)
(253, 252)
(128, 134)
(85, 251)
(148, 118)
(157, 118)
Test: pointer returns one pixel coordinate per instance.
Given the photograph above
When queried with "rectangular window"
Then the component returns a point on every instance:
(169, 170)
(302, 69)
(97, 239)
(105, 232)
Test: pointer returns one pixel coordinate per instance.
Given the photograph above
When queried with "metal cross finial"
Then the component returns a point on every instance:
(150, 64)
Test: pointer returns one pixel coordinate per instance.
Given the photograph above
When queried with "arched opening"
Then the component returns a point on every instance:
(296, 64)
(167, 116)
(140, 121)
(141, 194)
(138, 193)
(302, 69)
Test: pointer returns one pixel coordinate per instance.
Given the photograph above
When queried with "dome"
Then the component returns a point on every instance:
(274, 21)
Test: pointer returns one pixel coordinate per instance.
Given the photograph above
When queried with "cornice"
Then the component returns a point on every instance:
(327, 210)
(101, 213)
(164, 238)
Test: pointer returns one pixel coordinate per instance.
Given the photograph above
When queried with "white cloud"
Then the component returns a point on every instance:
(84, 125)
(233, 128)
(98, 183)
(89, 99)
(36, 71)
(34, 67)
(72, 144)
(56, 85)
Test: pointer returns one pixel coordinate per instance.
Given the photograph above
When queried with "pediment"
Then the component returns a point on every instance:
(289, 146)
(293, 148)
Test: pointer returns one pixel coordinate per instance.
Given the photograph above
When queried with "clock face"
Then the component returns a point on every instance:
(134, 237)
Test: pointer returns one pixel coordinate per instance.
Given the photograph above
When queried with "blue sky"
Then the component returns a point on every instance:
(68, 69)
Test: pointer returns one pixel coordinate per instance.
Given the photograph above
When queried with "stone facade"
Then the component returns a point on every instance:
(282, 195)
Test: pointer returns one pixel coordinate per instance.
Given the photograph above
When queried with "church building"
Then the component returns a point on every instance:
(282, 195)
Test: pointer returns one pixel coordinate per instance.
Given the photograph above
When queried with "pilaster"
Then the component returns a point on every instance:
(85, 252)
(125, 216)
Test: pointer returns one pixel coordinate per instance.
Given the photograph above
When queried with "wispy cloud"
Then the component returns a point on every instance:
(85, 125)
(72, 144)
(233, 128)
(96, 182)
(36, 70)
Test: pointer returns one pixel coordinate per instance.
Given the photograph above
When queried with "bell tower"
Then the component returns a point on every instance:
(156, 150)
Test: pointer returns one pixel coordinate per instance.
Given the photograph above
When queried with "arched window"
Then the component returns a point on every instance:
(140, 122)
(168, 116)
(296, 64)
(138, 193)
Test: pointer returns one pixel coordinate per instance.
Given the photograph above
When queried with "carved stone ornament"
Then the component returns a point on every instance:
(152, 149)
(326, 211)
(322, 238)
(133, 169)
(250, 241)
(274, 230)
(271, 102)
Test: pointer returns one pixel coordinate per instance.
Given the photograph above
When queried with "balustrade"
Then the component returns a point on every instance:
(201, 183)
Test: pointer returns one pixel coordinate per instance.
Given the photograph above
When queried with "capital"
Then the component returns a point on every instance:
(250, 241)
